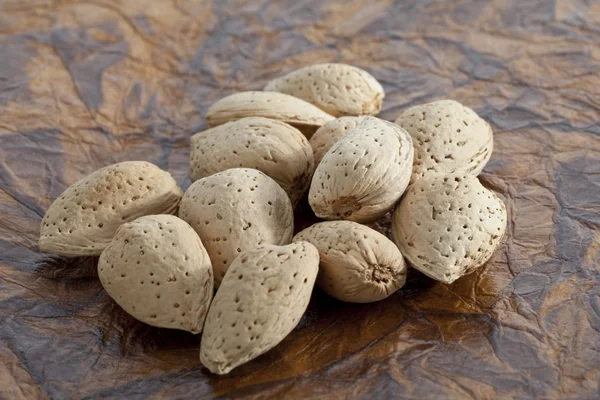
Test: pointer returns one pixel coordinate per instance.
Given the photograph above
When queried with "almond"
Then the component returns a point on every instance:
(364, 174)
(273, 147)
(337, 89)
(158, 271)
(448, 138)
(448, 225)
(279, 106)
(331, 132)
(262, 298)
(357, 263)
(85, 218)
(236, 210)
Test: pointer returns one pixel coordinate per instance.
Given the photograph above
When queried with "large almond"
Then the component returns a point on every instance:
(279, 106)
(85, 218)
(364, 174)
(448, 225)
(448, 138)
(261, 300)
(158, 271)
(236, 210)
(331, 132)
(357, 263)
(337, 89)
(273, 147)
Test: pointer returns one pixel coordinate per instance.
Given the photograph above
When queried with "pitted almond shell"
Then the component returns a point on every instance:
(282, 107)
(158, 271)
(261, 300)
(273, 147)
(448, 138)
(364, 174)
(447, 226)
(357, 263)
(85, 218)
(236, 210)
(337, 89)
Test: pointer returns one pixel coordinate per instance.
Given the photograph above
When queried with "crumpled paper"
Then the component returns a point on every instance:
(84, 84)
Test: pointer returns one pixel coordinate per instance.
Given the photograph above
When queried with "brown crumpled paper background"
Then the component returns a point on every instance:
(84, 84)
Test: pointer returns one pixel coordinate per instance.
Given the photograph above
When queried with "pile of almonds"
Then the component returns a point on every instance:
(313, 131)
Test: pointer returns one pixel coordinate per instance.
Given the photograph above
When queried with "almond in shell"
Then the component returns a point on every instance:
(337, 89)
(261, 300)
(448, 138)
(158, 271)
(364, 174)
(236, 210)
(447, 226)
(357, 263)
(85, 218)
(282, 107)
(273, 147)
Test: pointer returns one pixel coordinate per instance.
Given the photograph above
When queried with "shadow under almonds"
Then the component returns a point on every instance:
(74, 280)
(66, 268)
(329, 333)
(70, 282)
(173, 347)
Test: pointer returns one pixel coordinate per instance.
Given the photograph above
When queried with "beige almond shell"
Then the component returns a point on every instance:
(158, 271)
(364, 174)
(331, 132)
(337, 89)
(279, 106)
(448, 225)
(236, 210)
(448, 138)
(273, 147)
(85, 218)
(357, 263)
(261, 300)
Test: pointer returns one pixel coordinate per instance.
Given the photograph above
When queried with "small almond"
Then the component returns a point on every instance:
(292, 110)
(158, 271)
(236, 210)
(261, 300)
(337, 89)
(85, 218)
(273, 147)
(331, 132)
(448, 138)
(357, 263)
(448, 225)
(364, 174)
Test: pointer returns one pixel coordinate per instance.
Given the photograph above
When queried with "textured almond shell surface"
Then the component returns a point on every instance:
(236, 210)
(85, 218)
(337, 89)
(273, 147)
(448, 138)
(448, 225)
(331, 132)
(357, 263)
(279, 106)
(261, 300)
(158, 271)
(364, 174)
